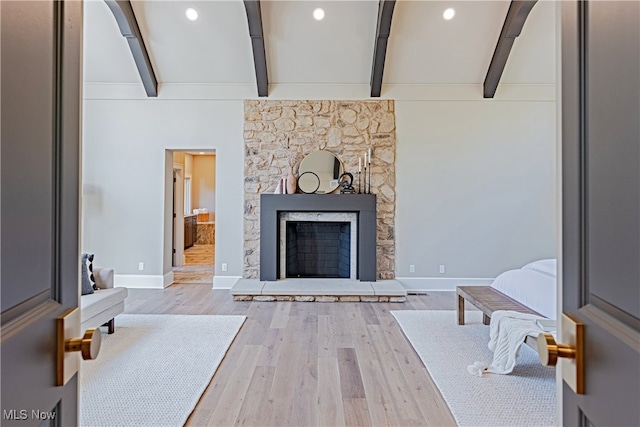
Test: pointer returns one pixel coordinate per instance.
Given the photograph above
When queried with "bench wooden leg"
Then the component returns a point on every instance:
(460, 310)
(486, 319)
(111, 324)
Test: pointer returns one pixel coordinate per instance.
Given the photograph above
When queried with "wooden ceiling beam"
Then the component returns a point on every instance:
(254, 18)
(512, 27)
(383, 29)
(128, 24)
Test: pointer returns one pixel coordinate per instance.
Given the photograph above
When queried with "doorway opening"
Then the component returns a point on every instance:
(194, 216)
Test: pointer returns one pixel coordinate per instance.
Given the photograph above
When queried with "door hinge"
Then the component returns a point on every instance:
(174, 251)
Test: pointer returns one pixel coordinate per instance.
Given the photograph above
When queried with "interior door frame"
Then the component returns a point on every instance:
(178, 221)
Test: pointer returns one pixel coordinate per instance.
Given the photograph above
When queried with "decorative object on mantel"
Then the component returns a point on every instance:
(279, 189)
(367, 166)
(326, 166)
(309, 182)
(346, 184)
(292, 182)
(364, 177)
(359, 172)
(369, 189)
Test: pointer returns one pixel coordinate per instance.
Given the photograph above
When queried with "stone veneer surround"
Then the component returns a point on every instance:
(279, 134)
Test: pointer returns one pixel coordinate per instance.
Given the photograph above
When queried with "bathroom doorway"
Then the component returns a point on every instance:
(194, 216)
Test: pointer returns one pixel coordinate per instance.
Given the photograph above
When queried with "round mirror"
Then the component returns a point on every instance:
(308, 182)
(326, 166)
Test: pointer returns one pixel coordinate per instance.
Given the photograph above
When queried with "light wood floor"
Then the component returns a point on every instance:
(198, 265)
(199, 255)
(310, 364)
(193, 274)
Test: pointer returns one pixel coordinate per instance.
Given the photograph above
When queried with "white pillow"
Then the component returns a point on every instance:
(544, 266)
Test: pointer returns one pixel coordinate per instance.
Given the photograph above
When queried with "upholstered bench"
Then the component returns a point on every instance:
(104, 304)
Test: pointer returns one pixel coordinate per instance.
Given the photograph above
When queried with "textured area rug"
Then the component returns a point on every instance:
(153, 369)
(526, 397)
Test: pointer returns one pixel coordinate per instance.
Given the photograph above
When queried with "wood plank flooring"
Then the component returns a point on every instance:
(199, 255)
(198, 266)
(310, 364)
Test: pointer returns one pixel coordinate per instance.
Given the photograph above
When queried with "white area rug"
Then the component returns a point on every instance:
(153, 369)
(526, 397)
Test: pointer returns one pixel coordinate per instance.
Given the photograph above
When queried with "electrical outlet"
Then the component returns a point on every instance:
(141, 266)
(224, 266)
(412, 268)
(441, 269)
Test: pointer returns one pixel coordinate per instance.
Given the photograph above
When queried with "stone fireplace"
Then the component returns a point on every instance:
(318, 244)
(278, 134)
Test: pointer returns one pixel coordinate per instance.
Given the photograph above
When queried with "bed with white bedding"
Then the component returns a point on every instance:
(533, 285)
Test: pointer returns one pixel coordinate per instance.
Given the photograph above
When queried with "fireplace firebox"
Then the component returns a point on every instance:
(318, 249)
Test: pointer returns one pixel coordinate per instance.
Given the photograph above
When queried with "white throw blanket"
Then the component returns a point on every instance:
(507, 332)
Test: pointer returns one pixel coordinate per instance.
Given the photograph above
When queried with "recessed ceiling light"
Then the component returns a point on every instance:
(202, 152)
(449, 14)
(318, 14)
(191, 14)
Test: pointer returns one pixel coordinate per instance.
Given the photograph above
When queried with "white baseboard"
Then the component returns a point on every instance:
(168, 279)
(225, 282)
(142, 281)
(425, 284)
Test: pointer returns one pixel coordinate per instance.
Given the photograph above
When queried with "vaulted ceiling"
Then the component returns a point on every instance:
(423, 48)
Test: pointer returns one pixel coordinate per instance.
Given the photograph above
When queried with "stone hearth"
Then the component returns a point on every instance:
(319, 290)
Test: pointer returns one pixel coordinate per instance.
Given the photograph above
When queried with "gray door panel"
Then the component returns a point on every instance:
(27, 149)
(40, 144)
(601, 205)
(613, 152)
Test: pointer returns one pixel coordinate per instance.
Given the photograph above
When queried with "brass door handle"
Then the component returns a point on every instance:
(88, 345)
(549, 350)
(571, 354)
(67, 345)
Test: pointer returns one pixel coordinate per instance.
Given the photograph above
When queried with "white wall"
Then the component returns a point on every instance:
(475, 181)
(203, 182)
(126, 178)
(476, 189)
